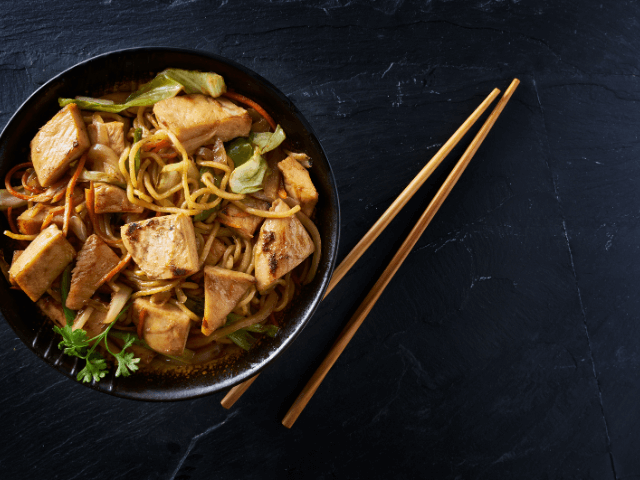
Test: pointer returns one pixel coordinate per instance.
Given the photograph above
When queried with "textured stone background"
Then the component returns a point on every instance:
(507, 346)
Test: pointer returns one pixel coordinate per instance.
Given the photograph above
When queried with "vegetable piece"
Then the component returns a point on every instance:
(161, 88)
(193, 81)
(240, 151)
(92, 176)
(242, 337)
(166, 84)
(7, 200)
(65, 286)
(76, 343)
(268, 141)
(247, 178)
(118, 302)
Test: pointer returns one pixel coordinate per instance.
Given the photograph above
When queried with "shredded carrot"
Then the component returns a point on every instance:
(247, 101)
(51, 215)
(168, 155)
(141, 319)
(12, 224)
(7, 181)
(116, 269)
(156, 146)
(68, 205)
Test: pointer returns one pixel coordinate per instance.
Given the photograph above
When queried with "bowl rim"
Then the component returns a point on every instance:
(255, 368)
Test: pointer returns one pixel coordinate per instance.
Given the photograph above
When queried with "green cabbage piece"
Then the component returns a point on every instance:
(267, 141)
(166, 84)
(248, 177)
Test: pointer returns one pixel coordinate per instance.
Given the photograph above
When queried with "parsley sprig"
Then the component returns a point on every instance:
(76, 343)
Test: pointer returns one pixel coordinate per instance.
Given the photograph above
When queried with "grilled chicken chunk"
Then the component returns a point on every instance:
(53, 310)
(30, 221)
(163, 247)
(215, 254)
(298, 184)
(63, 139)
(244, 223)
(112, 199)
(114, 134)
(164, 327)
(95, 259)
(42, 261)
(16, 254)
(223, 289)
(195, 119)
(283, 244)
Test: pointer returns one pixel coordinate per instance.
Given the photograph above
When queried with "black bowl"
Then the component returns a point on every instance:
(100, 74)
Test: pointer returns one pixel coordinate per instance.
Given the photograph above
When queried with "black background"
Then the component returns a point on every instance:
(505, 347)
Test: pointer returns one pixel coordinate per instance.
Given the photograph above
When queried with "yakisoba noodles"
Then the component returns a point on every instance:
(166, 226)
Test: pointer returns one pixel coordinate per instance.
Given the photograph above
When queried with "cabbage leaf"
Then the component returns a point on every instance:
(166, 84)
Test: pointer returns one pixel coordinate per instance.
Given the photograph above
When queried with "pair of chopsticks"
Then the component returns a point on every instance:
(370, 300)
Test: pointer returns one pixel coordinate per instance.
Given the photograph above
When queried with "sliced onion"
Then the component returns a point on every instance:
(7, 200)
(118, 302)
(104, 159)
(81, 319)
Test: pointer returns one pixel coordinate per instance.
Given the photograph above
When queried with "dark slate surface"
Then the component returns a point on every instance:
(507, 345)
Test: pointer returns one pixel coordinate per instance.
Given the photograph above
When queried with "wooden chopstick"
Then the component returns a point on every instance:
(370, 300)
(236, 392)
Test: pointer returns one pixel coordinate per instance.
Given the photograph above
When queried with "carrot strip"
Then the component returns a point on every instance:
(116, 269)
(12, 224)
(141, 319)
(68, 205)
(247, 101)
(154, 147)
(7, 181)
(51, 215)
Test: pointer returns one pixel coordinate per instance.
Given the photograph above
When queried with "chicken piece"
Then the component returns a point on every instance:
(282, 245)
(273, 178)
(244, 223)
(163, 247)
(195, 119)
(62, 139)
(215, 254)
(94, 325)
(53, 310)
(112, 199)
(42, 261)
(165, 327)
(223, 289)
(30, 221)
(115, 136)
(298, 184)
(16, 254)
(95, 259)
